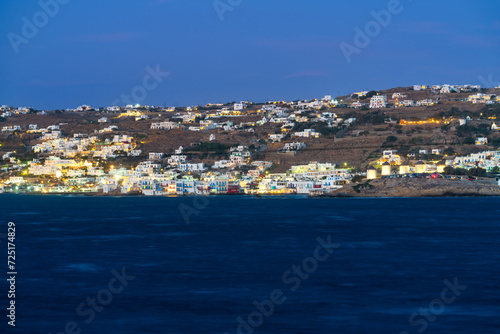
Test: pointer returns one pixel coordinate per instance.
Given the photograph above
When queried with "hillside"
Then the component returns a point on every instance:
(361, 143)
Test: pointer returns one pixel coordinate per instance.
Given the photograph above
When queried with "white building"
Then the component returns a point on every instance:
(398, 96)
(240, 106)
(357, 105)
(176, 160)
(405, 103)
(276, 137)
(362, 93)
(307, 133)
(16, 180)
(481, 141)
(301, 187)
(165, 126)
(289, 147)
(192, 167)
(84, 108)
(446, 89)
(425, 103)
(11, 128)
(378, 101)
(222, 164)
(135, 153)
(155, 156)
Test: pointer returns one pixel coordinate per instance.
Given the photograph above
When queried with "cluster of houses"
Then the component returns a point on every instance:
(83, 144)
(270, 113)
(59, 167)
(484, 98)
(33, 128)
(380, 101)
(292, 148)
(11, 128)
(444, 89)
(156, 177)
(401, 100)
(6, 111)
(312, 179)
(487, 160)
(405, 168)
(391, 163)
(398, 100)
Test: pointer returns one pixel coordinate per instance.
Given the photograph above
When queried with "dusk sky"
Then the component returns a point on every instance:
(91, 52)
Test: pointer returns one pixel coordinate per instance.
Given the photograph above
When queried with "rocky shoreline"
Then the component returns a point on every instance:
(420, 188)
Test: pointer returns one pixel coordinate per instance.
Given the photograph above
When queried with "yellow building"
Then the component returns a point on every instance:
(440, 166)
(404, 168)
(386, 168)
(420, 167)
(371, 173)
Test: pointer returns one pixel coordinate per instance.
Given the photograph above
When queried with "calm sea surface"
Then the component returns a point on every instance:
(400, 265)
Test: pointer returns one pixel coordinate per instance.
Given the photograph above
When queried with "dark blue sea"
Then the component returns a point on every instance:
(250, 265)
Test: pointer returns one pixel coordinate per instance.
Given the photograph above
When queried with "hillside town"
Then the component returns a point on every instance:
(311, 147)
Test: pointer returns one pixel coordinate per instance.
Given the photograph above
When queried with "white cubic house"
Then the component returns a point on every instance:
(378, 101)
